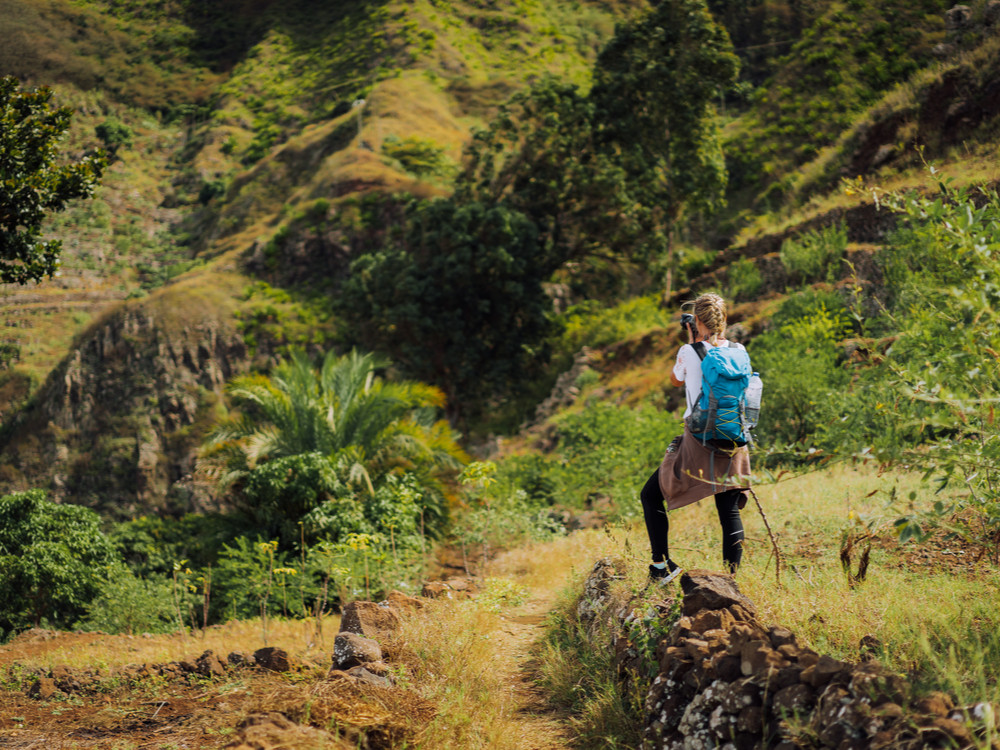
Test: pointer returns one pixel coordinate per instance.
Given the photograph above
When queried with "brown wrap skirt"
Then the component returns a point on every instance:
(694, 471)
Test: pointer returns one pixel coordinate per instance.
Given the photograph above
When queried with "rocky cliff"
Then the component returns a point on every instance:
(117, 424)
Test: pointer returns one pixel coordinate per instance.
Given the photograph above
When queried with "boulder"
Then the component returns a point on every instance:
(403, 603)
(43, 689)
(597, 587)
(361, 674)
(210, 665)
(709, 619)
(793, 700)
(704, 589)
(463, 586)
(273, 659)
(935, 704)
(958, 17)
(65, 678)
(352, 650)
(736, 696)
(170, 669)
(372, 620)
(751, 719)
(991, 13)
(780, 637)
(240, 659)
(758, 659)
(823, 671)
(437, 590)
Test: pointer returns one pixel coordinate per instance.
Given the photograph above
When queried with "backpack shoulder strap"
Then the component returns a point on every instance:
(699, 348)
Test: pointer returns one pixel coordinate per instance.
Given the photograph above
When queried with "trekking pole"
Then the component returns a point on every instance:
(774, 542)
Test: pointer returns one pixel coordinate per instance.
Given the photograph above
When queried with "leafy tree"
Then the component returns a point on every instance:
(654, 87)
(53, 559)
(539, 157)
(31, 183)
(458, 300)
(605, 176)
(308, 437)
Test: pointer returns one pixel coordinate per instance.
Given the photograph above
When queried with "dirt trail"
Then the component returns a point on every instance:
(539, 726)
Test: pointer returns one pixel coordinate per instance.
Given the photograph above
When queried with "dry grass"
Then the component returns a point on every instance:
(471, 657)
(34, 649)
(909, 589)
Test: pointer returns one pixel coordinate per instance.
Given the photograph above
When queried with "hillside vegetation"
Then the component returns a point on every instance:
(378, 292)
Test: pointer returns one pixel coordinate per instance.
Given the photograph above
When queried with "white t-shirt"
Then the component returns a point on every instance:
(688, 369)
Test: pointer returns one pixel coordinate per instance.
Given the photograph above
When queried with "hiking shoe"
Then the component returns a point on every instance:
(663, 576)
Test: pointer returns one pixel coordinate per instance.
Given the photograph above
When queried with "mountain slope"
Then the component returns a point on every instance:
(243, 114)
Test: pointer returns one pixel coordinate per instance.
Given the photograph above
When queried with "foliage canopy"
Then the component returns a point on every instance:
(32, 184)
(457, 299)
(53, 559)
(327, 437)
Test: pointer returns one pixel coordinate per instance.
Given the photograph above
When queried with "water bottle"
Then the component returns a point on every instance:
(752, 409)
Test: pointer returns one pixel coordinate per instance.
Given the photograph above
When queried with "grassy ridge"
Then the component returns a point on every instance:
(848, 56)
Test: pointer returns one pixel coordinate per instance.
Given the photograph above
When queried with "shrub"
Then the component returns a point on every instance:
(743, 280)
(605, 449)
(51, 560)
(127, 604)
(246, 582)
(816, 255)
(800, 364)
(938, 382)
(211, 189)
(114, 134)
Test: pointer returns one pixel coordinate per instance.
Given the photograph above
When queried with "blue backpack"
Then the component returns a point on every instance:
(729, 403)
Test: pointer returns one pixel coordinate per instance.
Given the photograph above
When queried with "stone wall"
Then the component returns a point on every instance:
(723, 679)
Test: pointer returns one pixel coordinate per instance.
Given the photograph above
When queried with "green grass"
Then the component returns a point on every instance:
(580, 680)
(848, 55)
(938, 626)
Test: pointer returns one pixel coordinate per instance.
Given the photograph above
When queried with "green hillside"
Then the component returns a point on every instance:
(239, 117)
(248, 132)
(376, 292)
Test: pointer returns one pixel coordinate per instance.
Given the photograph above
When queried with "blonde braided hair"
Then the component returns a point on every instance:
(710, 309)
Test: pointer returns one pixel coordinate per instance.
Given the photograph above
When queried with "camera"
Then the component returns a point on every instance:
(687, 323)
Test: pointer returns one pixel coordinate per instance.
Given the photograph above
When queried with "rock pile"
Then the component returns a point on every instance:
(63, 680)
(725, 680)
(453, 588)
(359, 697)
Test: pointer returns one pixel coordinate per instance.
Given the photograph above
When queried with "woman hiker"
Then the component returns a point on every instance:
(691, 469)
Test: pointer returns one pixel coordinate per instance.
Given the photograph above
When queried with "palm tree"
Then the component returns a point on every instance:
(342, 416)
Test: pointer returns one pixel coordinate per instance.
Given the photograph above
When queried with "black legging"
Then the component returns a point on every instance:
(657, 526)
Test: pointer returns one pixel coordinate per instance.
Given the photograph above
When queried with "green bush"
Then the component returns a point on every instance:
(743, 280)
(251, 580)
(211, 189)
(52, 558)
(816, 256)
(127, 604)
(604, 449)
(800, 362)
(151, 545)
(114, 134)
(499, 515)
(930, 398)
